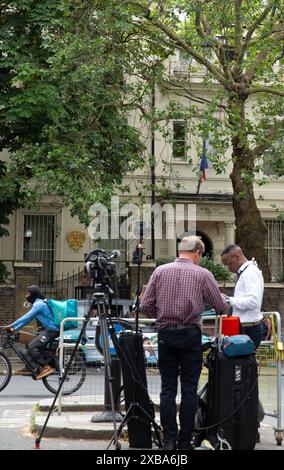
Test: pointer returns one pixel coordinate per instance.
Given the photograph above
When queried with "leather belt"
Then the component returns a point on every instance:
(179, 327)
(252, 323)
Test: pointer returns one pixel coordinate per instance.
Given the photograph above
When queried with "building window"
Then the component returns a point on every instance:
(179, 139)
(268, 168)
(180, 63)
(39, 243)
(275, 247)
(273, 161)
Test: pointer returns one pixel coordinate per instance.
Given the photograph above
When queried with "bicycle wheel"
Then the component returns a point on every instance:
(75, 377)
(119, 327)
(5, 371)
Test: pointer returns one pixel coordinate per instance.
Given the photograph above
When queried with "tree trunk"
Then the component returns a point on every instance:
(250, 228)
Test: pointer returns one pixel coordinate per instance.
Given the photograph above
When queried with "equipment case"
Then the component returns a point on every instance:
(232, 399)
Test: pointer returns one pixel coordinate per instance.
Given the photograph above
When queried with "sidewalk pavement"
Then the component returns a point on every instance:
(76, 422)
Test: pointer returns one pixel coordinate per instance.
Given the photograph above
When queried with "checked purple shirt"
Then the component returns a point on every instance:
(176, 293)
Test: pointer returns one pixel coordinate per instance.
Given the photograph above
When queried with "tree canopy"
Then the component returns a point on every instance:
(238, 46)
(72, 71)
(61, 119)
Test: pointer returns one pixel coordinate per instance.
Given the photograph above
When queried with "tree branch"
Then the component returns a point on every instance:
(169, 84)
(177, 41)
(265, 89)
(158, 42)
(265, 36)
(217, 45)
(238, 29)
(187, 93)
(250, 32)
(196, 55)
(249, 75)
(258, 150)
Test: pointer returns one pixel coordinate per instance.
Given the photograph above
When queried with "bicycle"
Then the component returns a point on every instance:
(74, 380)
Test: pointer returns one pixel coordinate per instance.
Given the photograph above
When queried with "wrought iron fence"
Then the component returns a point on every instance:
(70, 281)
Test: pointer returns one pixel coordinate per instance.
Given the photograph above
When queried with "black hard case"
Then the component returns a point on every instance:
(233, 399)
(140, 411)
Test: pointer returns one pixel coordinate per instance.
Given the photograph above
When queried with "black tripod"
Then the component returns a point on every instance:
(81, 338)
(140, 412)
(99, 304)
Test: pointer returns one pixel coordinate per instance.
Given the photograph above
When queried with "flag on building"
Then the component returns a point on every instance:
(203, 162)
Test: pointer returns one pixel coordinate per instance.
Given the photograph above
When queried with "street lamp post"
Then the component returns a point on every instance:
(27, 237)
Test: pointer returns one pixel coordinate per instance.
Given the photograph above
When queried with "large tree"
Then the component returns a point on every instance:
(239, 47)
(99, 59)
(60, 119)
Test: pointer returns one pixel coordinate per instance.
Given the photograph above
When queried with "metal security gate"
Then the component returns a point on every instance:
(39, 242)
(275, 247)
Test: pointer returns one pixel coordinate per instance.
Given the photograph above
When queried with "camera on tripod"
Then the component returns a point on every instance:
(100, 266)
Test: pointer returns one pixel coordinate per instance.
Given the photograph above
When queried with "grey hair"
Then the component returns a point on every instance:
(192, 244)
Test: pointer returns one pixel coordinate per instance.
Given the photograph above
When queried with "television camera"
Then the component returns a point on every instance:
(100, 266)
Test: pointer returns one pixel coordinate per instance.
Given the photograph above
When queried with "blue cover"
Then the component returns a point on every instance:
(63, 309)
(237, 345)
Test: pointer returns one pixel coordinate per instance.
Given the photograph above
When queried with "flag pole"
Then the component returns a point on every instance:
(202, 167)
(198, 185)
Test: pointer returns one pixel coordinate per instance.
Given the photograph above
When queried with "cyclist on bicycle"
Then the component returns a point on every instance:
(47, 331)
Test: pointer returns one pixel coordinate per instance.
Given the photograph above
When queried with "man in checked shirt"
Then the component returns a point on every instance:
(175, 296)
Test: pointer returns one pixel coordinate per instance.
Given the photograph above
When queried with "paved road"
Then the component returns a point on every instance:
(16, 404)
(22, 394)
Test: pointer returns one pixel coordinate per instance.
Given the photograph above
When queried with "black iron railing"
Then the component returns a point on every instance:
(67, 279)
(70, 281)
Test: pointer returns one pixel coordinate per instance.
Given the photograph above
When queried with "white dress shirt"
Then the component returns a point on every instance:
(248, 293)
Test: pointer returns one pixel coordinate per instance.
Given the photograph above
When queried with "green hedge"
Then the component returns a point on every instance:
(165, 260)
(4, 273)
(219, 271)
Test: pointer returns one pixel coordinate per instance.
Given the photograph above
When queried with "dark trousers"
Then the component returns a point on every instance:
(35, 353)
(255, 333)
(179, 354)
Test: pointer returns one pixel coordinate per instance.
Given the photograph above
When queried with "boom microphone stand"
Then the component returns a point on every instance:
(137, 259)
(142, 414)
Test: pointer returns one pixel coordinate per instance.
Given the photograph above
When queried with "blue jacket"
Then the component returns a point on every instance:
(40, 312)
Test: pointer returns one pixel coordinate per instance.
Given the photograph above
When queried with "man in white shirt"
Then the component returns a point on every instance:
(247, 299)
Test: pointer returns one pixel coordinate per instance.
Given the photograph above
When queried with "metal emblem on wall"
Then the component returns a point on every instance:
(76, 239)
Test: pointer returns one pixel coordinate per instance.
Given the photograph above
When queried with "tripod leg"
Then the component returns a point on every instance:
(62, 380)
(107, 361)
(124, 423)
(158, 430)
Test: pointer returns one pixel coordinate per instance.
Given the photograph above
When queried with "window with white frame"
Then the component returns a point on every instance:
(273, 161)
(39, 242)
(179, 139)
(275, 247)
(268, 169)
(180, 63)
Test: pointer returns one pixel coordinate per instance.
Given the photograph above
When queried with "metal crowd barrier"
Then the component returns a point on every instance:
(92, 391)
(269, 356)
